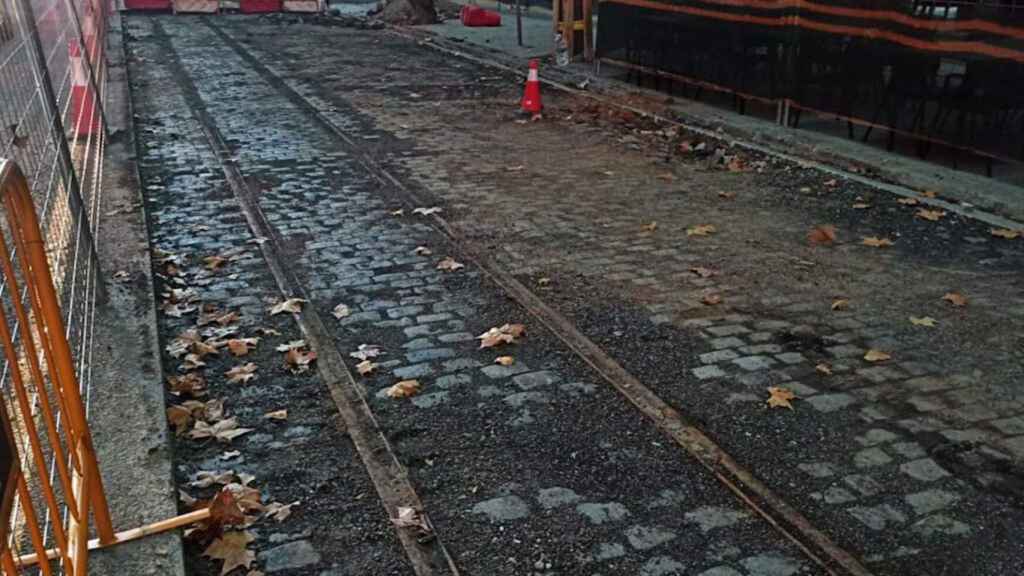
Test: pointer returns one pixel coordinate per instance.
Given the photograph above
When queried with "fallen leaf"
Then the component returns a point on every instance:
(291, 345)
(182, 343)
(922, 321)
(929, 194)
(701, 230)
(242, 373)
(247, 497)
(649, 227)
(449, 265)
(822, 235)
(824, 369)
(703, 272)
(874, 355)
(207, 478)
(504, 360)
(122, 276)
(366, 351)
(291, 305)
(840, 304)
(232, 549)
(831, 183)
(1006, 233)
(340, 311)
(426, 211)
(264, 331)
(180, 418)
(230, 455)
(224, 431)
(298, 361)
(861, 205)
(931, 215)
(277, 415)
(726, 195)
(191, 384)
(366, 367)
(178, 309)
(404, 389)
(876, 242)
(909, 201)
(241, 346)
(779, 397)
(279, 512)
(711, 299)
(399, 212)
(215, 262)
(505, 334)
(211, 411)
(956, 299)
(422, 251)
(410, 518)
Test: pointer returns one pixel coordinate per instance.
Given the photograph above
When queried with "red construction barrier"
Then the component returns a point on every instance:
(147, 4)
(259, 6)
(477, 16)
(85, 114)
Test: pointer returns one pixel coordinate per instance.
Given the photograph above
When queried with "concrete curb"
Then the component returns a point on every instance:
(128, 407)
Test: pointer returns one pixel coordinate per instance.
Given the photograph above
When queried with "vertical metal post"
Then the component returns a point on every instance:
(68, 176)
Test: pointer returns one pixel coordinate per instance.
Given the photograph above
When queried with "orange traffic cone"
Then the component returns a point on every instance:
(531, 97)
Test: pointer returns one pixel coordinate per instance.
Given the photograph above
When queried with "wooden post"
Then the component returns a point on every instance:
(588, 30)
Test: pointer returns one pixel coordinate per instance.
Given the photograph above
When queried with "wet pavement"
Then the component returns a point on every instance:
(911, 464)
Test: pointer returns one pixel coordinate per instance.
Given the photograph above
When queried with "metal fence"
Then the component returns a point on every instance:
(946, 72)
(52, 89)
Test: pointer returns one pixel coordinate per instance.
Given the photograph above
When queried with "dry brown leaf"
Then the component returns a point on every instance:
(182, 343)
(247, 497)
(875, 355)
(241, 346)
(215, 262)
(224, 431)
(929, 194)
(211, 411)
(876, 242)
(207, 478)
(701, 230)
(279, 512)
(449, 265)
(703, 272)
(840, 304)
(651, 227)
(909, 201)
(410, 518)
(366, 367)
(923, 321)
(180, 418)
(277, 414)
(931, 215)
(505, 334)
(822, 235)
(505, 360)
(404, 389)
(726, 195)
(231, 548)
(291, 345)
(711, 299)
(422, 251)
(956, 299)
(242, 373)
(291, 305)
(779, 397)
(824, 369)
(341, 311)
(1006, 233)
(191, 384)
(298, 361)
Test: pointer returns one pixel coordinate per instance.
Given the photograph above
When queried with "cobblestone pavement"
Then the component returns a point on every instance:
(912, 463)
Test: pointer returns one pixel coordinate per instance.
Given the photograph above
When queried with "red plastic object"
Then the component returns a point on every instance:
(531, 95)
(259, 6)
(147, 4)
(477, 16)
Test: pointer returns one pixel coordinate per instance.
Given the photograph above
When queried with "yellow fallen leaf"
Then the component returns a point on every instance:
(876, 242)
(404, 389)
(277, 415)
(922, 321)
(822, 235)
(1006, 233)
(504, 360)
(956, 299)
(824, 369)
(505, 334)
(874, 355)
(779, 397)
(701, 230)
(840, 304)
(931, 215)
